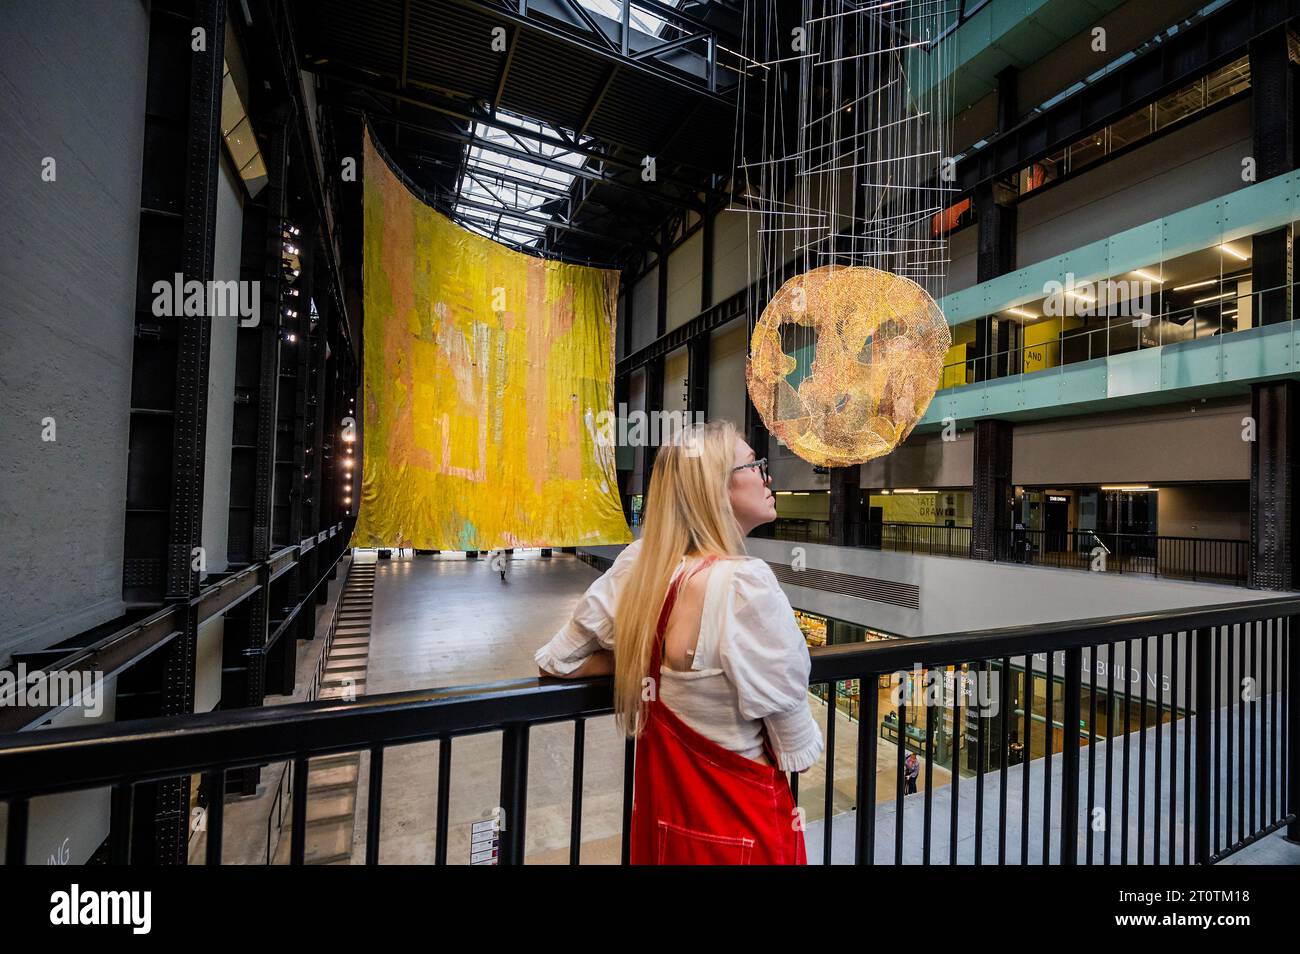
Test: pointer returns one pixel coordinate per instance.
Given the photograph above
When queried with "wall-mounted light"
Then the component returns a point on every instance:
(1202, 301)
(1148, 276)
(1208, 281)
(1233, 252)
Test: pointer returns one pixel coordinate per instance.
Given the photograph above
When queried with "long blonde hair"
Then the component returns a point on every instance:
(688, 510)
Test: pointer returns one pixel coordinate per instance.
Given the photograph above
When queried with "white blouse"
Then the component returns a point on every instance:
(750, 667)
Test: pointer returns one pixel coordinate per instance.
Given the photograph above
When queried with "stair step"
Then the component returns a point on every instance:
(335, 803)
(330, 761)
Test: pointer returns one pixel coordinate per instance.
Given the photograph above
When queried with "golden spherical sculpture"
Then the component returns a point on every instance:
(878, 343)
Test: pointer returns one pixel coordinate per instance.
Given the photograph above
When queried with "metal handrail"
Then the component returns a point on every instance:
(125, 754)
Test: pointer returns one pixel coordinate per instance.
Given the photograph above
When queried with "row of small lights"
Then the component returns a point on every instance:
(290, 235)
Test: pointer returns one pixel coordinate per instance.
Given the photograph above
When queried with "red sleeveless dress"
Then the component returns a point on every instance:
(697, 803)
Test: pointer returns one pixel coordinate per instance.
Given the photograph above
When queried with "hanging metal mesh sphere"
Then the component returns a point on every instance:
(877, 342)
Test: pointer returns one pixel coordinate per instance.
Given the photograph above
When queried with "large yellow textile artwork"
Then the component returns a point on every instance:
(872, 345)
(485, 372)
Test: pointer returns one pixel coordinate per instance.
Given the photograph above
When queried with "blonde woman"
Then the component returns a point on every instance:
(710, 667)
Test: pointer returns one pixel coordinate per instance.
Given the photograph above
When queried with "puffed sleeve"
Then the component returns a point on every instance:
(764, 654)
(591, 627)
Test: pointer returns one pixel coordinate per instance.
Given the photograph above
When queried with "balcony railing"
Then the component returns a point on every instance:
(1199, 559)
(1211, 768)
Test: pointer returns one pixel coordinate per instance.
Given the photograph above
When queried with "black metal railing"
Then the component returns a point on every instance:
(1207, 766)
(1200, 559)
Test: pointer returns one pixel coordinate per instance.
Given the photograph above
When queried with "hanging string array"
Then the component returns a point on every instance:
(844, 124)
(842, 135)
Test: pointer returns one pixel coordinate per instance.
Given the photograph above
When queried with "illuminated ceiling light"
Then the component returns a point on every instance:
(1130, 488)
(1229, 314)
(1233, 252)
(1020, 312)
(1081, 296)
(1202, 301)
(1208, 281)
(1148, 276)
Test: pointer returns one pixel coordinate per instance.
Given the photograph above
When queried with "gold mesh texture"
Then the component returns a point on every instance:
(877, 343)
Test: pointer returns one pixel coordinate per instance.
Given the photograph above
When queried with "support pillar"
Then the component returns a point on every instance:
(1273, 486)
(846, 509)
(991, 497)
(697, 377)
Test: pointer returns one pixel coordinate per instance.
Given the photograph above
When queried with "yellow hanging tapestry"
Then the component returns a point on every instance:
(486, 371)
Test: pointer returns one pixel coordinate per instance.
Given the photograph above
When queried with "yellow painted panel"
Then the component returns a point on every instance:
(486, 371)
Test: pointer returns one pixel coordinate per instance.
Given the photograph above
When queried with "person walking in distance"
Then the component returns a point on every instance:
(911, 769)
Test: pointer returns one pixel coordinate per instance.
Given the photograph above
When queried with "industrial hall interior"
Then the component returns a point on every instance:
(517, 432)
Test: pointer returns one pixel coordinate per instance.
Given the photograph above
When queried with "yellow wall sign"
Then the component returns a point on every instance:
(486, 370)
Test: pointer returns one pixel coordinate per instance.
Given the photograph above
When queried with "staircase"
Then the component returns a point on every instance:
(332, 780)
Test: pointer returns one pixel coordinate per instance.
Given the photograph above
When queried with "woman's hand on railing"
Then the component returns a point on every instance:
(599, 663)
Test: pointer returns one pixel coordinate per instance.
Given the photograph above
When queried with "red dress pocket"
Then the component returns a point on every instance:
(685, 846)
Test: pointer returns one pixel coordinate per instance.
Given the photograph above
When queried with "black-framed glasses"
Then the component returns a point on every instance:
(761, 464)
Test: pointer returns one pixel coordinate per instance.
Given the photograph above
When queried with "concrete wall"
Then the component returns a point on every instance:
(221, 375)
(959, 595)
(733, 232)
(72, 86)
(925, 461)
(645, 304)
(1218, 511)
(1177, 442)
(1189, 166)
(676, 366)
(728, 348)
(685, 267)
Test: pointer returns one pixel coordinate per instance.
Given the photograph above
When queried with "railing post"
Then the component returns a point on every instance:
(514, 789)
(1205, 705)
(1070, 769)
(1292, 734)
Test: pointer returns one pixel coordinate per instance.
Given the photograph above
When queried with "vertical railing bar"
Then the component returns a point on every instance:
(1217, 690)
(832, 716)
(1204, 708)
(298, 819)
(958, 736)
(1160, 742)
(926, 837)
(374, 803)
(899, 772)
(1026, 748)
(215, 816)
(16, 833)
(1229, 687)
(1239, 698)
(1290, 730)
(865, 822)
(1190, 654)
(1107, 817)
(575, 805)
(444, 800)
(1275, 678)
(629, 773)
(979, 764)
(1142, 757)
(1004, 700)
(1173, 747)
(1252, 662)
(1071, 704)
(119, 826)
(1049, 753)
(514, 792)
(1128, 722)
(1092, 750)
(1270, 773)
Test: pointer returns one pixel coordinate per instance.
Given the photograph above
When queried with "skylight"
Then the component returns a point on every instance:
(500, 178)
